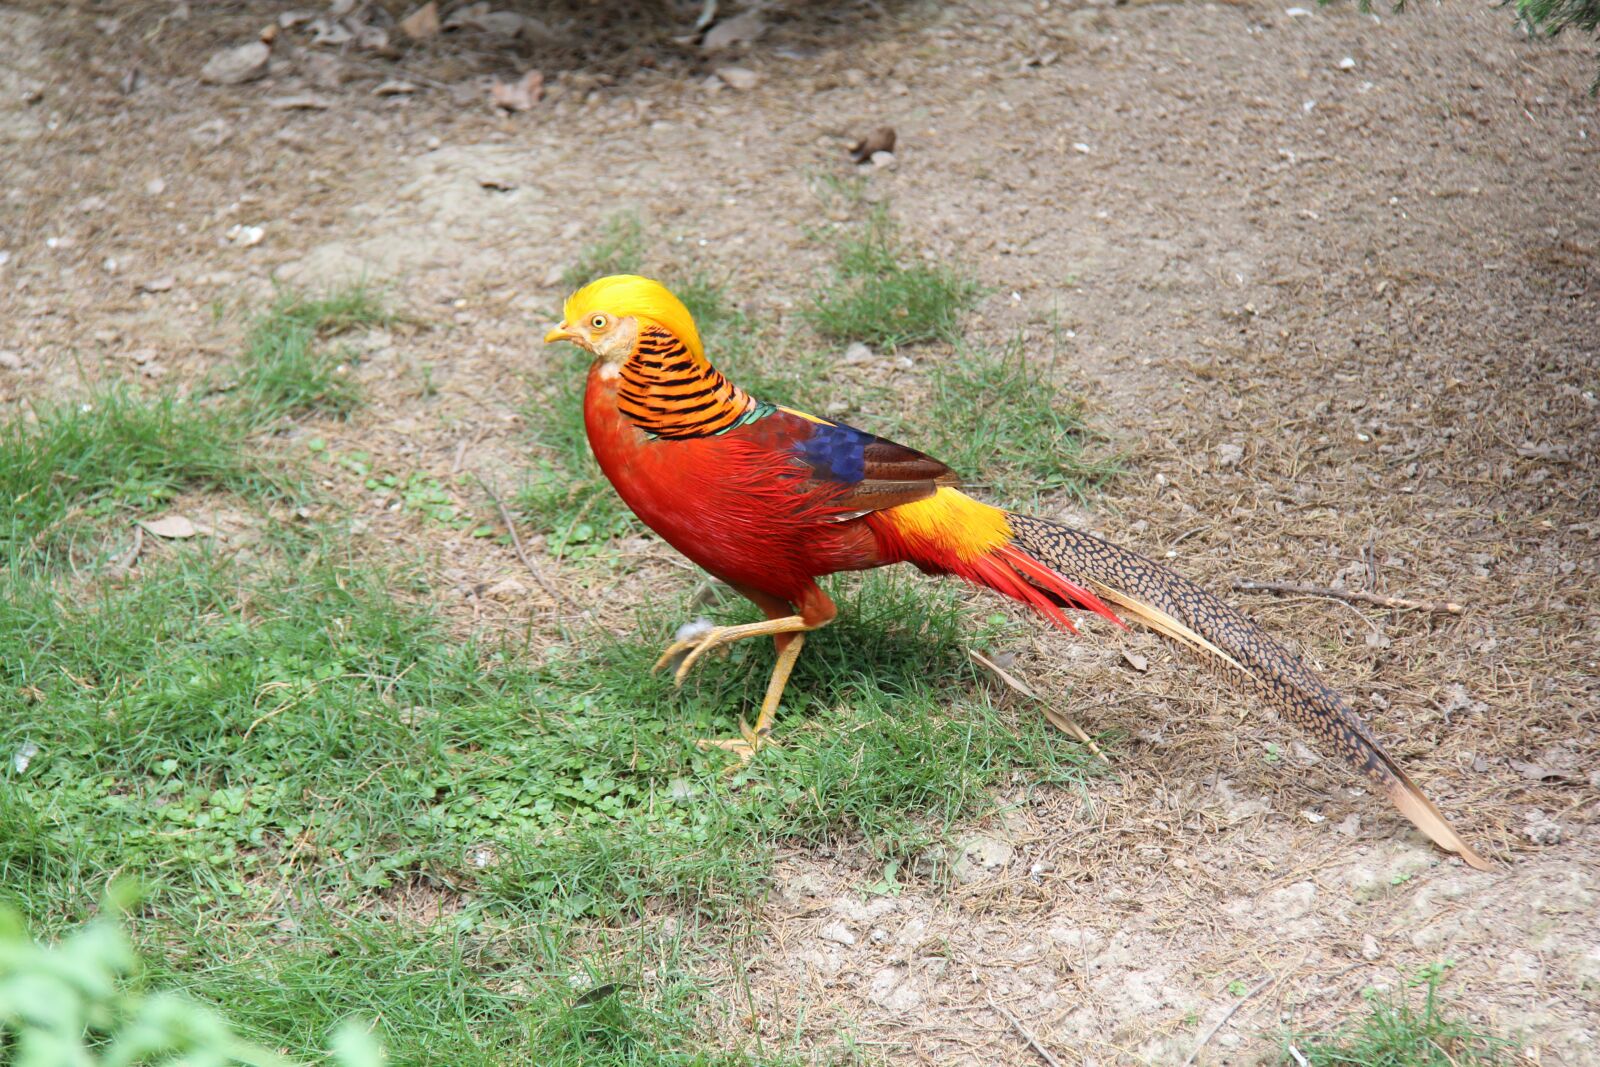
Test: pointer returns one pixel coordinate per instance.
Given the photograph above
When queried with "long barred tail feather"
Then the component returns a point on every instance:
(1172, 605)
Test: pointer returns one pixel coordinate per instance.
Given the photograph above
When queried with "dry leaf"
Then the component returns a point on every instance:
(519, 95)
(879, 140)
(421, 23)
(176, 527)
(1136, 661)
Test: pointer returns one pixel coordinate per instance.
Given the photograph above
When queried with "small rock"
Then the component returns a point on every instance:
(1298, 13)
(837, 407)
(330, 32)
(801, 887)
(155, 187)
(1229, 455)
(882, 160)
(246, 236)
(838, 933)
(1369, 947)
(1541, 829)
(507, 587)
(176, 527)
(1136, 661)
(235, 66)
(298, 102)
(374, 39)
(857, 353)
(10, 360)
(890, 989)
(1347, 63)
(740, 29)
(740, 78)
(979, 857)
(394, 87)
(422, 23)
(158, 285)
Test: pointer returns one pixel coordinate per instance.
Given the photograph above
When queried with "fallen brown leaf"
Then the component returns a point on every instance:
(519, 95)
(879, 140)
(422, 23)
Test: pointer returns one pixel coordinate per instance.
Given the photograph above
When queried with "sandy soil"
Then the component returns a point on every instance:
(1329, 280)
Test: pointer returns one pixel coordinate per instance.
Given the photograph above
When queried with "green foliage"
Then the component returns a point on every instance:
(877, 296)
(1395, 1034)
(998, 419)
(565, 495)
(113, 455)
(618, 249)
(422, 494)
(71, 1005)
(1551, 17)
(276, 753)
(287, 368)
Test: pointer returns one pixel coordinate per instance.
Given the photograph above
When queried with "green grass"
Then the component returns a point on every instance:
(879, 295)
(288, 368)
(618, 248)
(995, 417)
(338, 808)
(1394, 1033)
(77, 1003)
(78, 467)
(281, 754)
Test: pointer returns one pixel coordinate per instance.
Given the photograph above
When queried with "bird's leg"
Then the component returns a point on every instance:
(788, 623)
(724, 635)
(751, 740)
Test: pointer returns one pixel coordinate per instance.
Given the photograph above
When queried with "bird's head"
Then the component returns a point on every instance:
(605, 317)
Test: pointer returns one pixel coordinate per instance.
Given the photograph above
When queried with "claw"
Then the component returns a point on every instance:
(697, 646)
(744, 746)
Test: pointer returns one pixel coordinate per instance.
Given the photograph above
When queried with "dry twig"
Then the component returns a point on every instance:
(1211, 1033)
(1065, 723)
(516, 543)
(1027, 1035)
(1443, 607)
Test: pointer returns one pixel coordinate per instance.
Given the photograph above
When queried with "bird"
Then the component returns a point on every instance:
(769, 498)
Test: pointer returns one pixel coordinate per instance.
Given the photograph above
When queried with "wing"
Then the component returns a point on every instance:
(861, 471)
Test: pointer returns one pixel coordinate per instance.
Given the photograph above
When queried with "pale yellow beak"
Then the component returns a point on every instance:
(560, 333)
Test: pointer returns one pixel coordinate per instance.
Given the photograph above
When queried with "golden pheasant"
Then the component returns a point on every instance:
(769, 499)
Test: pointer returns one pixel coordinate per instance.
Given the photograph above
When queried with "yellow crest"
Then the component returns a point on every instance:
(620, 295)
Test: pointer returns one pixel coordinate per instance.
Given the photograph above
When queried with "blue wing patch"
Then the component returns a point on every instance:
(836, 453)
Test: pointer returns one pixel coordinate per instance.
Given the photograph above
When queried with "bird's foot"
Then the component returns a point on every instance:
(692, 647)
(744, 746)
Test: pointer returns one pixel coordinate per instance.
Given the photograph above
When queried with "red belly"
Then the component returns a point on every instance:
(742, 511)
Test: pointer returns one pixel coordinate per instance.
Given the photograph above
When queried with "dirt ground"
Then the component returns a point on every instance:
(1329, 280)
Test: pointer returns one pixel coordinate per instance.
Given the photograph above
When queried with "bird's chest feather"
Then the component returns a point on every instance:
(737, 504)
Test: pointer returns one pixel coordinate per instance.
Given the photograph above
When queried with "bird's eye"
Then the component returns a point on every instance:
(598, 322)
